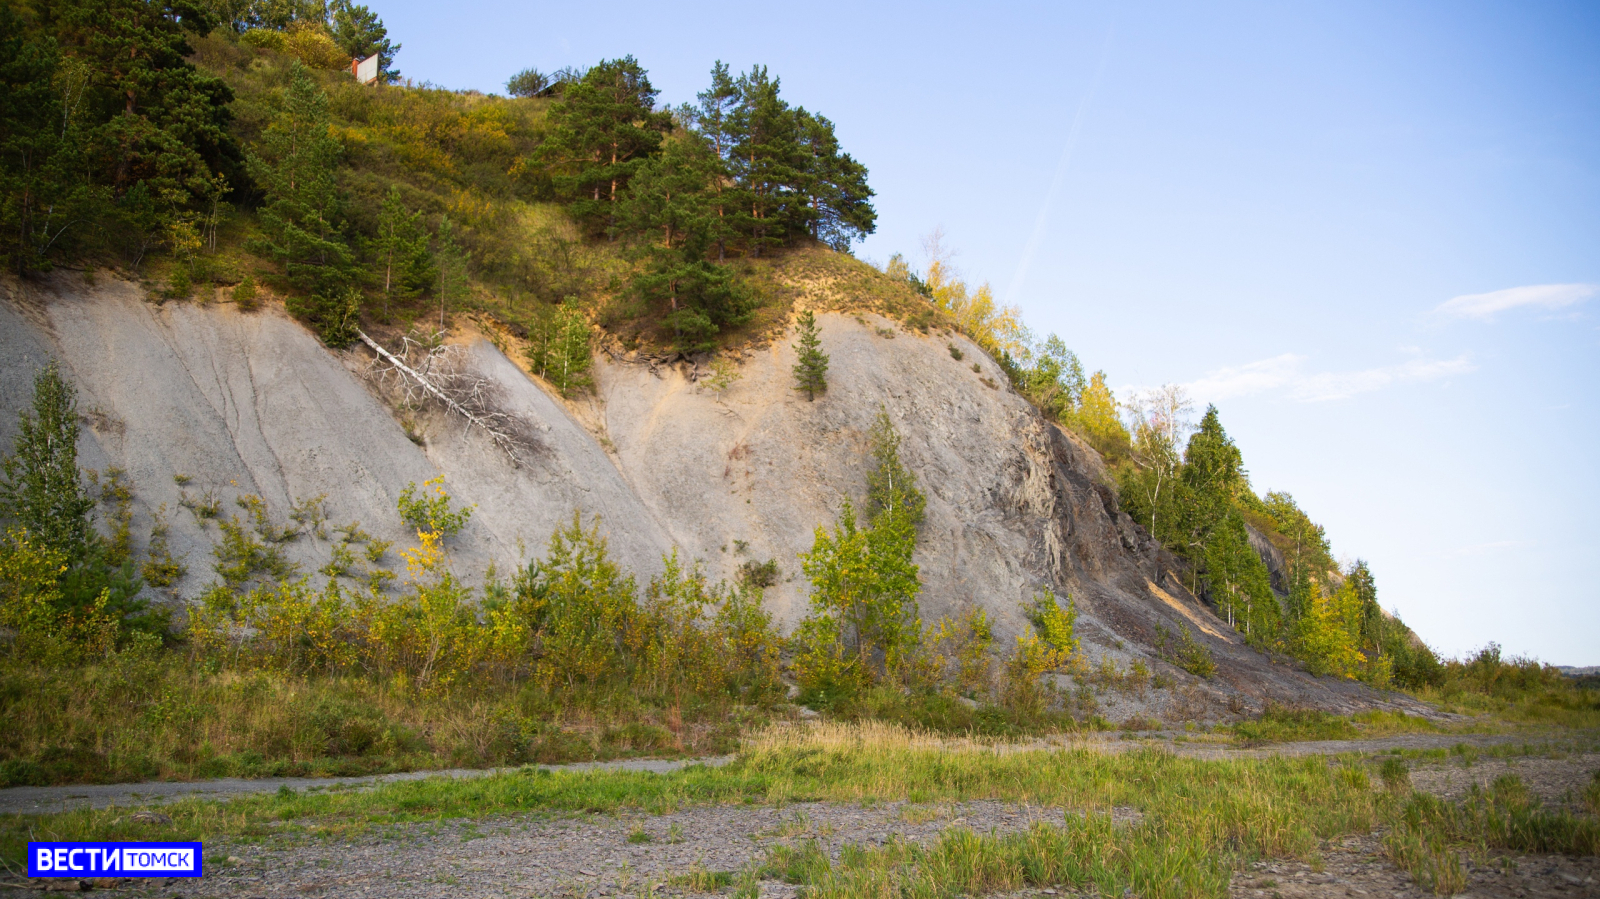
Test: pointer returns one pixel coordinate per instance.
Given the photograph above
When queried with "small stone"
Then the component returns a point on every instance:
(65, 886)
(235, 860)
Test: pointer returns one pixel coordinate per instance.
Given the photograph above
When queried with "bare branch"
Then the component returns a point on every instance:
(433, 373)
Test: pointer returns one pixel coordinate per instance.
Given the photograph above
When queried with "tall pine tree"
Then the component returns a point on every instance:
(601, 131)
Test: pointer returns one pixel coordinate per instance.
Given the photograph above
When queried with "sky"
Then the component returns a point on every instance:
(1369, 233)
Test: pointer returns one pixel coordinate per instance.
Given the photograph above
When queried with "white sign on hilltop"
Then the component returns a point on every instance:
(365, 70)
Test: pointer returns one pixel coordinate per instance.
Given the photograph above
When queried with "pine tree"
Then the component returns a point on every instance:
(400, 251)
(838, 209)
(767, 160)
(42, 490)
(359, 32)
(601, 131)
(303, 219)
(811, 371)
(713, 119)
(450, 262)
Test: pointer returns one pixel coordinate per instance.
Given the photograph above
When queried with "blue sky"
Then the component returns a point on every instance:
(1321, 217)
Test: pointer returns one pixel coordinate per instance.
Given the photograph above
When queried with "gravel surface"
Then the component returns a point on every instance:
(642, 855)
(46, 800)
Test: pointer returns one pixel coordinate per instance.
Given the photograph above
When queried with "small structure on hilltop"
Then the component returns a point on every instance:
(365, 70)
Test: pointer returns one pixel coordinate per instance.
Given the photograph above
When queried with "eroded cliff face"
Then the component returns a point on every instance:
(726, 473)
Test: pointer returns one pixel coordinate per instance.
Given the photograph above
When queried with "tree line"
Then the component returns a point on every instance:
(1187, 486)
(113, 142)
(738, 172)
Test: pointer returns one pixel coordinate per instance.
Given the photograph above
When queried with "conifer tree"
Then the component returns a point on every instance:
(400, 249)
(1213, 475)
(811, 371)
(713, 119)
(359, 32)
(450, 263)
(838, 208)
(601, 131)
(766, 160)
(42, 490)
(303, 220)
(1239, 583)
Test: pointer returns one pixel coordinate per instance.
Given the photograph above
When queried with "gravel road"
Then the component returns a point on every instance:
(633, 853)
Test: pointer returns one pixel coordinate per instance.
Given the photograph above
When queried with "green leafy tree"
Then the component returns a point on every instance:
(864, 618)
(891, 487)
(359, 32)
(558, 347)
(864, 582)
(527, 83)
(1305, 549)
(601, 131)
(1099, 420)
(1151, 487)
(1054, 380)
(811, 368)
(582, 606)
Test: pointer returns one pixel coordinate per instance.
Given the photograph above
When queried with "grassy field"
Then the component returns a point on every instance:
(1199, 820)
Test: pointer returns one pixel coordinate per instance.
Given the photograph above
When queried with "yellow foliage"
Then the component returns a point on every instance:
(953, 654)
(998, 329)
(29, 600)
(310, 43)
(1329, 632)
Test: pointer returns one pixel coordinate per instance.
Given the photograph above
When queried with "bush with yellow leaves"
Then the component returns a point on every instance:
(32, 624)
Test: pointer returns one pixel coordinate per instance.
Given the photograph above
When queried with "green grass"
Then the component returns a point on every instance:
(150, 716)
(1201, 819)
(1282, 725)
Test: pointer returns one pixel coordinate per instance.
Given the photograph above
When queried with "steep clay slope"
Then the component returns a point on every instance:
(253, 404)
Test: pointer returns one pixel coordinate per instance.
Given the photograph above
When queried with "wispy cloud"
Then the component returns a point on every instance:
(1287, 375)
(1483, 306)
(1480, 548)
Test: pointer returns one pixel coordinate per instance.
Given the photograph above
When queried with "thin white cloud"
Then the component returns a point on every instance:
(1483, 306)
(1478, 548)
(1243, 380)
(1286, 374)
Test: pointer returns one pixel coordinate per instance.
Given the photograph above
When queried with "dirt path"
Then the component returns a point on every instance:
(48, 800)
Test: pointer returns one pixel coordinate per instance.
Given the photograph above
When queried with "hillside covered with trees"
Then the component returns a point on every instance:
(220, 151)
